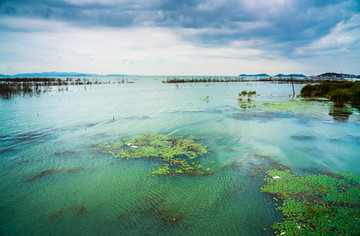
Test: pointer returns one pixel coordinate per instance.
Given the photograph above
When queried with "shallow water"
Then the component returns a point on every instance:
(52, 184)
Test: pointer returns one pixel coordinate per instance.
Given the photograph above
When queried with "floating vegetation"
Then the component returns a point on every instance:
(178, 154)
(316, 204)
(313, 108)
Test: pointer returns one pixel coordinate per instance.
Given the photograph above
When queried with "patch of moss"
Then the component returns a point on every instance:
(316, 204)
(174, 151)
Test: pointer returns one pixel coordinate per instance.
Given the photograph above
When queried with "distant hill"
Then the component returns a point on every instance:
(50, 74)
(293, 75)
(57, 74)
(53, 74)
(115, 75)
(335, 75)
(257, 75)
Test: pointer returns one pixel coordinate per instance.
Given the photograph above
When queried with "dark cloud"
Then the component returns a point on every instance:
(295, 22)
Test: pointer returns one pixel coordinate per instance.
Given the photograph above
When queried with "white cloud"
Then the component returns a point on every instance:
(58, 46)
(342, 38)
(127, 50)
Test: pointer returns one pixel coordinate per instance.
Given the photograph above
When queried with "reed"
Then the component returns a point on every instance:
(10, 87)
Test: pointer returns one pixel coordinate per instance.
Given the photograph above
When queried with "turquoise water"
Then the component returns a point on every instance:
(87, 193)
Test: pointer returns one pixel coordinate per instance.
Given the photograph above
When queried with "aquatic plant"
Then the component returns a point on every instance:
(308, 90)
(177, 153)
(65, 152)
(45, 173)
(339, 92)
(340, 97)
(10, 87)
(250, 94)
(242, 95)
(54, 171)
(316, 204)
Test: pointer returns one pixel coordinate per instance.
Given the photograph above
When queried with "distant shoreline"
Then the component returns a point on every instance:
(278, 80)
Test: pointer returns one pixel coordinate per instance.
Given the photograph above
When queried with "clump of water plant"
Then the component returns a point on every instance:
(316, 204)
(251, 94)
(339, 92)
(340, 97)
(177, 154)
(242, 95)
(245, 93)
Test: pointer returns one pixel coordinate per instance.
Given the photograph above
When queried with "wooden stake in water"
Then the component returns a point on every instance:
(292, 84)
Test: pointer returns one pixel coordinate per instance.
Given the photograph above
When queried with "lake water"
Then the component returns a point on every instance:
(51, 183)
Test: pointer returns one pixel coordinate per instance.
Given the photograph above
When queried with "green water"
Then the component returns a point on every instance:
(92, 194)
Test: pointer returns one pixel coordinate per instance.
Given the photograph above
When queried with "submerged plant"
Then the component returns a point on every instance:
(322, 204)
(177, 153)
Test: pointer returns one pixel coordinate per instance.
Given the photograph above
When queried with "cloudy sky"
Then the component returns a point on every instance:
(180, 37)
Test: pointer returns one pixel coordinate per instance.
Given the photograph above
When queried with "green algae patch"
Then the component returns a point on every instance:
(177, 153)
(299, 106)
(316, 204)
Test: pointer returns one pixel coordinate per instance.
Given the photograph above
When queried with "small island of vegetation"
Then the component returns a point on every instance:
(339, 92)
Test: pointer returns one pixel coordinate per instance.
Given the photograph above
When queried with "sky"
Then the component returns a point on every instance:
(180, 37)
